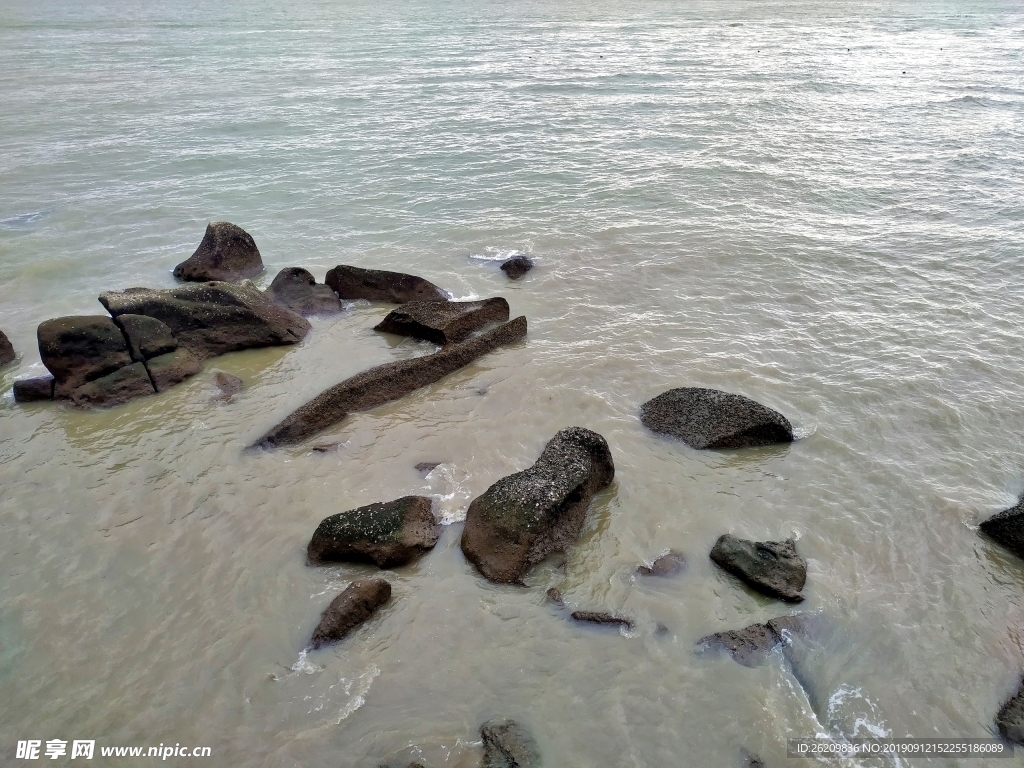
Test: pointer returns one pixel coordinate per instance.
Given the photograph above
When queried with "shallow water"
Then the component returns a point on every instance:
(817, 205)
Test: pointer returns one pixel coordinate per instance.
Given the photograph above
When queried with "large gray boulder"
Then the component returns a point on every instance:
(227, 252)
(390, 533)
(443, 322)
(7, 353)
(1010, 718)
(710, 418)
(296, 289)
(524, 517)
(357, 603)
(81, 348)
(380, 285)
(385, 383)
(508, 744)
(773, 568)
(212, 318)
(1007, 528)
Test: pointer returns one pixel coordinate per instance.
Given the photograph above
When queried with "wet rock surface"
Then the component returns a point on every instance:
(390, 533)
(524, 517)
(669, 564)
(751, 645)
(357, 603)
(172, 368)
(1010, 718)
(296, 289)
(554, 595)
(426, 467)
(380, 285)
(81, 348)
(33, 390)
(602, 617)
(212, 318)
(710, 418)
(115, 388)
(227, 384)
(1007, 528)
(7, 353)
(508, 744)
(385, 383)
(773, 568)
(227, 252)
(146, 336)
(517, 266)
(443, 322)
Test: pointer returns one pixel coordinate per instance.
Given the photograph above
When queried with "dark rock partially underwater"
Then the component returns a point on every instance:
(380, 285)
(602, 617)
(668, 564)
(751, 645)
(1010, 718)
(1007, 528)
(7, 353)
(508, 744)
(227, 252)
(524, 517)
(443, 322)
(390, 533)
(710, 418)
(517, 266)
(771, 567)
(33, 390)
(357, 603)
(385, 383)
(296, 289)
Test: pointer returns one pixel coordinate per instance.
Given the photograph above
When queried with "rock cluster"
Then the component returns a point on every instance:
(357, 603)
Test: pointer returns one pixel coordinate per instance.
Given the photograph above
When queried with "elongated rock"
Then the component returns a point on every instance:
(710, 418)
(380, 285)
(385, 383)
(358, 602)
(1007, 528)
(524, 517)
(227, 252)
(773, 568)
(390, 533)
(443, 322)
(602, 617)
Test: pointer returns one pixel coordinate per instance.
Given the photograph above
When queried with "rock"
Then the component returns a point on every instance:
(667, 565)
(81, 348)
(426, 467)
(228, 385)
(771, 567)
(599, 617)
(356, 604)
(390, 533)
(1007, 528)
(33, 390)
(172, 368)
(147, 337)
(296, 289)
(554, 595)
(524, 517)
(1010, 719)
(7, 353)
(751, 645)
(443, 322)
(115, 388)
(379, 285)
(326, 448)
(754, 761)
(517, 266)
(212, 318)
(507, 744)
(710, 418)
(385, 383)
(226, 253)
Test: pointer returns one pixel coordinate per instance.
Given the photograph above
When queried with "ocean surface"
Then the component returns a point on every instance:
(818, 205)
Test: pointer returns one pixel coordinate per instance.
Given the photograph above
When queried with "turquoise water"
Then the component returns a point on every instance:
(816, 205)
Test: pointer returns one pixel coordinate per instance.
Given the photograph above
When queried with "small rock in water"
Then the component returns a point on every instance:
(390, 533)
(426, 467)
(667, 565)
(600, 617)
(507, 744)
(751, 645)
(326, 447)
(380, 285)
(115, 388)
(228, 385)
(755, 761)
(296, 289)
(443, 322)
(554, 595)
(773, 568)
(33, 390)
(710, 418)
(7, 354)
(1007, 528)
(517, 266)
(172, 368)
(356, 604)
(227, 252)
(1010, 719)
(147, 337)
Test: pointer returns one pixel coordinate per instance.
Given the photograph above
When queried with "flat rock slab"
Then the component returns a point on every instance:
(296, 289)
(1007, 528)
(227, 252)
(115, 388)
(443, 322)
(79, 349)
(7, 353)
(773, 568)
(508, 744)
(1010, 718)
(380, 285)
(524, 517)
(33, 390)
(602, 617)
(751, 645)
(385, 383)
(390, 533)
(212, 318)
(668, 564)
(517, 266)
(360, 600)
(146, 336)
(710, 418)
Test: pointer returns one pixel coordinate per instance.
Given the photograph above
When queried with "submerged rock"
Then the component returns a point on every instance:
(7, 353)
(601, 617)
(385, 383)
(33, 390)
(554, 595)
(751, 645)
(227, 252)
(443, 322)
(524, 517)
(380, 285)
(771, 567)
(517, 266)
(710, 418)
(390, 533)
(360, 600)
(296, 289)
(508, 744)
(212, 318)
(79, 349)
(146, 336)
(172, 368)
(1010, 718)
(426, 467)
(1007, 528)
(115, 388)
(668, 564)
(228, 385)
